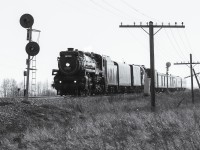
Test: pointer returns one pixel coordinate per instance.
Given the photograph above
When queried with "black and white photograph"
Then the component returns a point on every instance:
(99, 75)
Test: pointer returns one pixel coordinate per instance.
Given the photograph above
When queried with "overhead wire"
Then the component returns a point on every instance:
(121, 14)
(118, 10)
(176, 42)
(189, 44)
(165, 54)
(187, 39)
(136, 10)
(105, 9)
(98, 5)
(185, 46)
(142, 44)
(173, 46)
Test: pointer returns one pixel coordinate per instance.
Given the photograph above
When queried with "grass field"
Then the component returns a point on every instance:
(122, 122)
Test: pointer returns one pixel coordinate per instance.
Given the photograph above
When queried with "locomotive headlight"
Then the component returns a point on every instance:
(60, 81)
(67, 64)
(74, 81)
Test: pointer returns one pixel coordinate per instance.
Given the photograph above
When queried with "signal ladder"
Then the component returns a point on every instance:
(33, 81)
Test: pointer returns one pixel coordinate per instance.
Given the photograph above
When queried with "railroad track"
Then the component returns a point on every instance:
(82, 96)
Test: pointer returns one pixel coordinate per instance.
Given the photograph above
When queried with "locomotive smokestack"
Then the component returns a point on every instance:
(70, 49)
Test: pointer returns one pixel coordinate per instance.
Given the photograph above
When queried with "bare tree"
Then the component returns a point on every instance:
(45, 89)
(9, 88)
(39, 88)
(4, 87)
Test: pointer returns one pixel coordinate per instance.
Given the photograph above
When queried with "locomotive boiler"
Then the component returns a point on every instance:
(79, 72)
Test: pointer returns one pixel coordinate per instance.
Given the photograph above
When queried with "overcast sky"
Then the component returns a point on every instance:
(93, 25)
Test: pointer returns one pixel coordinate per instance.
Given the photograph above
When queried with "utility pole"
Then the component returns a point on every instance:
(151, 34)
(191, 74)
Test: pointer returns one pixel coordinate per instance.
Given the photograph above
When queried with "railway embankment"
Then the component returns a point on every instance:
(102, 122)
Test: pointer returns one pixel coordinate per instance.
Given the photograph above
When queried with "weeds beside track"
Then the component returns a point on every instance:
(102, 122)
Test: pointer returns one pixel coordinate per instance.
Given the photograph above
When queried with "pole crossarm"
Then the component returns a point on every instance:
(186, 63)
(155, 26)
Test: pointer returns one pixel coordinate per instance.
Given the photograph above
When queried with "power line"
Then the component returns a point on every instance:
(187, 39)
(189, 44)
(137, 11)
(118, 10)
(186, 48)
(173, 46)
(98, 5)
(165, 51)
(108, 10)
(139, 41)
(179, 48)
(121, 13)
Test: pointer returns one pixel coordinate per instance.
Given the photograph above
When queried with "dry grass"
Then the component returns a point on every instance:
(105, 123)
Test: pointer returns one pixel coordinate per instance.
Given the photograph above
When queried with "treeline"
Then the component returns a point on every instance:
(10, 88)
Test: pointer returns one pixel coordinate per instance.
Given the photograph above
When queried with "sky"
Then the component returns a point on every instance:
(93, 26)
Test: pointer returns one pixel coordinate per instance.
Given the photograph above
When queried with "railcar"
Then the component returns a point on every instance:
(137, 77)
(110, 75)
(161, 82)
(124, 77)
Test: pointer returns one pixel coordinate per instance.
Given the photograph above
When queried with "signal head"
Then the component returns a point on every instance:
(32, 48)
(168, 64)
(26, 21)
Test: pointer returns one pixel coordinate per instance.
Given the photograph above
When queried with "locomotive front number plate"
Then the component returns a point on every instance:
(68, 55)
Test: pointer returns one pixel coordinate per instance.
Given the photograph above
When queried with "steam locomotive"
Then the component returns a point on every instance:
(84, 73)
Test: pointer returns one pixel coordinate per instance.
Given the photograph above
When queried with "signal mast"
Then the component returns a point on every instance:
(32, 48)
